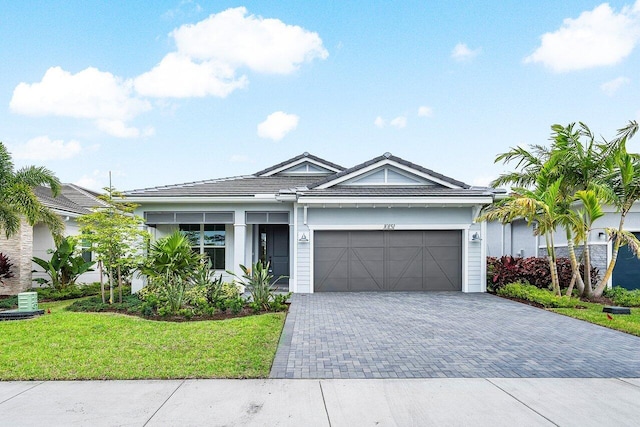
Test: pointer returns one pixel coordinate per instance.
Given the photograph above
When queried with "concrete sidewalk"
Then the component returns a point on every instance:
(332, 402)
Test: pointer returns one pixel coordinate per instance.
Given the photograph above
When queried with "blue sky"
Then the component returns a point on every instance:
(176, 91)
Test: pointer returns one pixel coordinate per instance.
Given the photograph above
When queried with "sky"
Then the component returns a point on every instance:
(167, 92)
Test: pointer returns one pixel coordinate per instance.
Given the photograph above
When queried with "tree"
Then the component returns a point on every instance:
(18, 200)
(116, 236)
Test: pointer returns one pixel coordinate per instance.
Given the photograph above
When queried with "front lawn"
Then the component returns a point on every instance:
(66, 345)
(629, 323)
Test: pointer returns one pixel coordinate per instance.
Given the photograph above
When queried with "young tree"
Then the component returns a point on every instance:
(17, 197)
(116, 236)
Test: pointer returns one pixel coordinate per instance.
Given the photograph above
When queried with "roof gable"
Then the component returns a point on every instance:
(389, 170)
(303, 165)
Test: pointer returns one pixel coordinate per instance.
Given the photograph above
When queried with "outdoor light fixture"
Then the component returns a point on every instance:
(476, 237)
(601, 235)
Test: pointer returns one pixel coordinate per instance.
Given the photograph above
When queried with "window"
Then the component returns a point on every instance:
(207, 239)
(86, 250)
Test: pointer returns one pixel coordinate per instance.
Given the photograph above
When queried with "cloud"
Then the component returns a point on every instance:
(43, 148)
(380, 122)
(184, 8)
(210, 53)
(178, 76)
(277, 125)
(399, 122)
(425, 111)
(97, 180)
(264, 45)
(461, 52)
(596, 38)
(88, 94)
(612, 86)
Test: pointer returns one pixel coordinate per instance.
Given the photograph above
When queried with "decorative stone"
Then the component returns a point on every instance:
(616, 310)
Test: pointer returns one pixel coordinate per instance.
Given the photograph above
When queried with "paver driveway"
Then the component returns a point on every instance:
(443, 334)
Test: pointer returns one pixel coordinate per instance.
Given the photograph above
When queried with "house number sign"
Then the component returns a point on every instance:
(389, 227)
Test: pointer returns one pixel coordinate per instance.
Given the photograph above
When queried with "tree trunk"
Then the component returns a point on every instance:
(119, 285)
(586, 262)
(554, 268)
(614, 257)
(110, 286)
(101, 281)
(576, 277)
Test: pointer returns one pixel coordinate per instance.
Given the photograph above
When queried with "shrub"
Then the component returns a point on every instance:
(260, 285)
(70, 292)
(130, 304)
(5, 268)
(65, 265)
(534, 271)
(623, 297)
(9, 303)
(534, 294)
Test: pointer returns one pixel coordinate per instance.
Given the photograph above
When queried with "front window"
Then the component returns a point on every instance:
(207, 239)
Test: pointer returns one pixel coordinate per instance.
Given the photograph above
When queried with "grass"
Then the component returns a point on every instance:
(629, 323)
(66, 345)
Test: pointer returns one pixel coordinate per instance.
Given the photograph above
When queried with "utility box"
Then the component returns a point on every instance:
(28, 301)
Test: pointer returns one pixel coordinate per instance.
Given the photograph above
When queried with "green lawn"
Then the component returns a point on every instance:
(67, 345)
(593, 313)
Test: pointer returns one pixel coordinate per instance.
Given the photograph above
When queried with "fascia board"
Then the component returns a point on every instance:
(396, 200)
(179, 200)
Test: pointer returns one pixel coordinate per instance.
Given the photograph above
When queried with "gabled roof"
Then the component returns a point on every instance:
(297, 160)
(386, 158)
(72, 199)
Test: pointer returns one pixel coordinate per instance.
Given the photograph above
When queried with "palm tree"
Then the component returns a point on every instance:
(18, 200)
(542, 206)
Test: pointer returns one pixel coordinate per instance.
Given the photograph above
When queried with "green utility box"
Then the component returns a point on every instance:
(28, 301)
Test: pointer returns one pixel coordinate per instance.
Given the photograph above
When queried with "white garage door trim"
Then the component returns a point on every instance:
(463, 227)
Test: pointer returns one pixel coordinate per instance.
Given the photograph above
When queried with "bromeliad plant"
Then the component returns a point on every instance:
(5, 268)
(261, 286)
(64, 267)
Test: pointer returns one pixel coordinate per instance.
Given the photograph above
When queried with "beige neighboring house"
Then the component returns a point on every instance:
(72, 202)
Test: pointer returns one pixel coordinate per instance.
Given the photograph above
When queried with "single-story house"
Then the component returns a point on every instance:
(382, 225)
(72, 202)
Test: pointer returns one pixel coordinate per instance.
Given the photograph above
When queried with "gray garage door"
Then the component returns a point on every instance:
(387, 260)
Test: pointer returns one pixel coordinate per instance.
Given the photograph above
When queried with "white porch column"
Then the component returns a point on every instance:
(239, 234)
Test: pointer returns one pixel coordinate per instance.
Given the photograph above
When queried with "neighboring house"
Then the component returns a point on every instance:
(72, 202)
(383, 225)
(518, 239)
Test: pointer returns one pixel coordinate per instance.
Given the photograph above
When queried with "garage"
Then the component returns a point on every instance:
(393, 260)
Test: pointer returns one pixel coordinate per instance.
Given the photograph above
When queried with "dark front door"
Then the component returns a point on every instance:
(626, 272)
(274, 249)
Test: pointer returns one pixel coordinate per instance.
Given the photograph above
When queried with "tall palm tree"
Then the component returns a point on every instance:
(18, 200)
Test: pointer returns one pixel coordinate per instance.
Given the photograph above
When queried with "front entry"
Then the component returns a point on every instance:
(274, 249)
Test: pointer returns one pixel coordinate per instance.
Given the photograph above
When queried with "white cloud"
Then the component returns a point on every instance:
(43, 148)
(461, 52)
(425, 111)
(399, 122)
(184, 8)
(380, 122)
(277, 125)
(265, 45)
(89, 94)
(596, 38)
(177, 76)
(97, 180)
(612, 86)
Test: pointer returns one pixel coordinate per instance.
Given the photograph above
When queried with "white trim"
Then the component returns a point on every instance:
(382, 227)
(483, 257)
(417, 180)
(381, 163)
(299, 161)
(425, 201)
(293, 281)
(465, 260)
(202, 199)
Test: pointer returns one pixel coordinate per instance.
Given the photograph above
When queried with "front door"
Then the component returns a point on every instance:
(274, 249)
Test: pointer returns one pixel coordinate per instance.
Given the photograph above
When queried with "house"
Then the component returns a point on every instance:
(72, 202)
(383, 225)
(519, 240)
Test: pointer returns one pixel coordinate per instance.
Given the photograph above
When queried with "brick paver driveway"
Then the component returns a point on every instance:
(438, 334)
